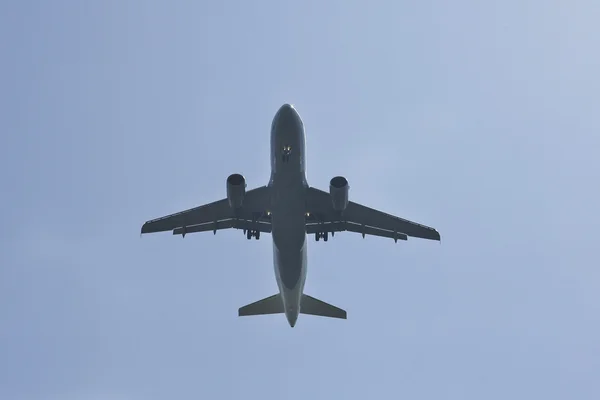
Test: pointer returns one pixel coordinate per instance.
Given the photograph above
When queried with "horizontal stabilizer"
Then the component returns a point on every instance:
(270, 305)
(313, 306)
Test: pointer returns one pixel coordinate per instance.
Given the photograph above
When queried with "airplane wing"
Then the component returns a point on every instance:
(361, 219)
(218, 215)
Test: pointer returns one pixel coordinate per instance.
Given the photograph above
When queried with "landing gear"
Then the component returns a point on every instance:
(285, 155)
(323, 235)
(252, 234)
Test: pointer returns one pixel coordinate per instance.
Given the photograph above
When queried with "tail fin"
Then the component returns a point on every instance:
(269, 305)
(313, 306)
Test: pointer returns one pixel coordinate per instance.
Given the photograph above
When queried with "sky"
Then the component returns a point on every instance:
(477, 118)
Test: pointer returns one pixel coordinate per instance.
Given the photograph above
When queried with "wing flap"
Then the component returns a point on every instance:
(224, 224)
(342, 226)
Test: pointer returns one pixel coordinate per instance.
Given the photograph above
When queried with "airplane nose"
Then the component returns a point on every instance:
(286, 110)
(286, 117)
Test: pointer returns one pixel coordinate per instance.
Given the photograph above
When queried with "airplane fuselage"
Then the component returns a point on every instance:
(288, 187)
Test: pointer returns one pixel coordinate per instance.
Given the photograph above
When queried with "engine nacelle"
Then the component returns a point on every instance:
(236, 189)
(338, 189)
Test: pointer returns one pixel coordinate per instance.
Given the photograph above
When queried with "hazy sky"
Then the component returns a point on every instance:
(480, 119)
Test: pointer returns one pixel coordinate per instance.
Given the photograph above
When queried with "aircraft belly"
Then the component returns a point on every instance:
(289, 235)
(289, 248)
(288, 230)
(290, 270)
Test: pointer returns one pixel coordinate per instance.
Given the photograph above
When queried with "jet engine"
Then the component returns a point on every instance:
(338, 189)
(236, 189)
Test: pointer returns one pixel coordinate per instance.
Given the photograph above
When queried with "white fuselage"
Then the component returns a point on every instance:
(288, 184)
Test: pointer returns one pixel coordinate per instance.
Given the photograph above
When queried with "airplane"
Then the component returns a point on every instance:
(290, 209)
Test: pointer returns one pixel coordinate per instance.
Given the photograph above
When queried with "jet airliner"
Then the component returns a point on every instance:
(290, 209)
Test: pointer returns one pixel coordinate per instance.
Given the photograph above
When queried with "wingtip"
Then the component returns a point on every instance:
(435, 235)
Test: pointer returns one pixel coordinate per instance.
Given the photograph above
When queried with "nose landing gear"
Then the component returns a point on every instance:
(285, 156)
(252, 234)
(321, 235)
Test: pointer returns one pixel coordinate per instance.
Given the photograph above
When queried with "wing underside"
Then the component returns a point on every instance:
(360, 219)
(218, 215)
(253, 215)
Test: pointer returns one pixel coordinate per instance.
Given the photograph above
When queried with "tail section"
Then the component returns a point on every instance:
(269, 305)
(313, 306)
(309, 305)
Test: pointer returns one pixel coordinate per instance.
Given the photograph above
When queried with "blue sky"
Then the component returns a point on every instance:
(479, 119)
